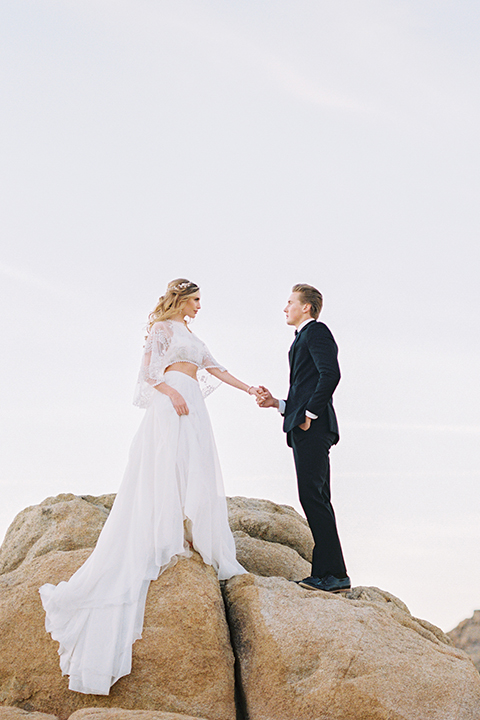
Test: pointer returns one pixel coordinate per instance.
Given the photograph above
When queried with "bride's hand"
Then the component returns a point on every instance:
(254, 391)
(178, 402)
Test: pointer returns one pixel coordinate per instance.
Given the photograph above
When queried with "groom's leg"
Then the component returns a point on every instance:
(311, 453)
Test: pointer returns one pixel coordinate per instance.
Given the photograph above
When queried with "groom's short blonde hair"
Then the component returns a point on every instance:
(312, 296)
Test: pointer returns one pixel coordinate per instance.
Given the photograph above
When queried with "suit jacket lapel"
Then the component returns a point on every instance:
(291, 352)
(294, 343)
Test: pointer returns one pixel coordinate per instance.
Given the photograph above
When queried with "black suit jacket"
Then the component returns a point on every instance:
(314, 375)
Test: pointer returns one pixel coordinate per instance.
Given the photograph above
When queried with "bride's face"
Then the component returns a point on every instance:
(192, 306)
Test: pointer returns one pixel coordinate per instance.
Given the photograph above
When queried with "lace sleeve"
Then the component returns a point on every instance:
(153, 363)
(208, 382)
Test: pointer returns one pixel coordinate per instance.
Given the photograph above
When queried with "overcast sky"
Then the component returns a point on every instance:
(249, 145)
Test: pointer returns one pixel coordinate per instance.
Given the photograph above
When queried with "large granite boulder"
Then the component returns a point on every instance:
(271, 539)
(269, 559)
(272, 523)
(301, 654)
(184, 662)
(307, 654)
(466, 636)
(64, 522)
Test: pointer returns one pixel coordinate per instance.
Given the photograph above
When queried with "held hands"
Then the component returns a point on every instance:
(265, 398)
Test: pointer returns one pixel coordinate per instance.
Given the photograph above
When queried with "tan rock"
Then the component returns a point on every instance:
(184, 662)
(399, 610)
(466, 636)
(72, 522)
(273, 523)
(15, 713)
(121, 714)
(269, 559)
(65, 522)
(306, 654)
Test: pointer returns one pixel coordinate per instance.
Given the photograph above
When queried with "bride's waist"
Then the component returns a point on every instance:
(187, 368)
(186, 385)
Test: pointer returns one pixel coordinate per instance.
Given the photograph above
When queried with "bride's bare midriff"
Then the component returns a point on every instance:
(184, 367)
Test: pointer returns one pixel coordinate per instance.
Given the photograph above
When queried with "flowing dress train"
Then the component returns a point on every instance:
(172, 493)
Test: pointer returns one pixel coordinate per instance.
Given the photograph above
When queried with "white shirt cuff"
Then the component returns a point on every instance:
(281, 407)
(310, 415)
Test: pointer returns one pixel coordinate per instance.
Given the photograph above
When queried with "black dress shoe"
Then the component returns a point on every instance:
(329, 583)
(311, 583)
(299, 582)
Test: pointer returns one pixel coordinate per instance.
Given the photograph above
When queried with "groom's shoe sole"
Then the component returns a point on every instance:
(318, 586)
(343, 591)
(311, 587)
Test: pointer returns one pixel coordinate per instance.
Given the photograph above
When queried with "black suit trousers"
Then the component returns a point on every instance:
(311, 450)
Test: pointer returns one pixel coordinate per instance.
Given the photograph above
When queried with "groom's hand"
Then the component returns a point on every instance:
(305, 425)
(265, 398)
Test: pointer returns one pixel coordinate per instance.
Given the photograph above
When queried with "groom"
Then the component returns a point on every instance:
(311, 427)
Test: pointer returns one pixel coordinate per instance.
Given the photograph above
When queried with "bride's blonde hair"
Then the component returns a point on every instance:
(170, 304)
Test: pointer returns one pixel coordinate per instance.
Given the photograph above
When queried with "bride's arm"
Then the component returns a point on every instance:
(225, 377)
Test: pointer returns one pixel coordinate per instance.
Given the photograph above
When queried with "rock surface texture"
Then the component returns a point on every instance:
(14, 713)
(306, 654)
(66, 522)
(300, 653)
(271, 540)
(466, 636)
(270, 522)
(120, 714)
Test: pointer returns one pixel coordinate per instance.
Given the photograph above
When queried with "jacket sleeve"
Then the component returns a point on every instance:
(324, 351)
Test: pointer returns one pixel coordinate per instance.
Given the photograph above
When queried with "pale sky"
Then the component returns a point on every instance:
(249, 145)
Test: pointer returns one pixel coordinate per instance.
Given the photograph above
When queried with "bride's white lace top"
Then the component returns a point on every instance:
(168, 342)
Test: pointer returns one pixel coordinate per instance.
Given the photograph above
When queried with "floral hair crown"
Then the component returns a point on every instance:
(183, 286)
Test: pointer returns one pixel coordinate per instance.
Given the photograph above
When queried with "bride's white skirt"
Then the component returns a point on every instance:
(172, 493)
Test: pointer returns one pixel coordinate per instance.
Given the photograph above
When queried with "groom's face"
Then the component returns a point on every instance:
(295, 310)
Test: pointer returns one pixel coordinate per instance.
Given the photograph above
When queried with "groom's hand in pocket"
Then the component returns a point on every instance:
(305, 425)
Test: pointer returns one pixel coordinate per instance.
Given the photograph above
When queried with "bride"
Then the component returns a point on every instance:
(171, 499)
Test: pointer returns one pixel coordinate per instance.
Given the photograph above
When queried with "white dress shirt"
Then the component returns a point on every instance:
(281, 403)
